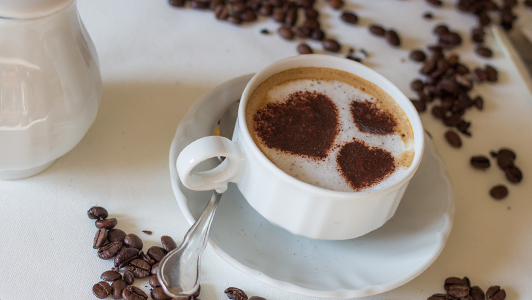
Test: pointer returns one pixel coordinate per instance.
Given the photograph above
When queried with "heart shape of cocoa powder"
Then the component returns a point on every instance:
(363, 166)
(305, 124)
(370, 118)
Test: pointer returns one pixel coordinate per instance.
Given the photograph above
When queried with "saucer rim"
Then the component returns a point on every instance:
(442, 235)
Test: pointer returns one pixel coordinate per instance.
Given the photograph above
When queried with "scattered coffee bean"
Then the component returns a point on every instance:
(110, 250)
(434, 2)
(133, 241)
(420, 105)
(304, 49)
(428, 16)
(478, 35)
(302, 32)
(513, 174)
(480, 162)
(458, 291)
(349, 17)
(477, 293)
(478, 102)
(495, 293)
(291, 17)
(115, 235)
(158, 294)
(101, 290)
(417, 85)
(331, 45)
(377, 30)
(139, 268)
(455, 281)
(154, 281)
(317, 35)
(154, 268)
(336, 4)
(438, 297)
(235, 293)
(157, 253)
(312, 24)
(453, 139)
(492, 74)
(134, 293)
(484, 51)
(499, 192)
(221, 12)
(128, 277)
(235, 19)
(110, 275)
(177, 3)
(125, 256)
(106, 223)
(248, 16)
(118, 288)
(417, 55)
(285, 33)
(199, 4)
(393, 38)
(97, 212)
(100, 238)
(146, 258)
(441, 29)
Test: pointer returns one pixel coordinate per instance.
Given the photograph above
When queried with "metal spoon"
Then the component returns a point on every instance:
(179, 270)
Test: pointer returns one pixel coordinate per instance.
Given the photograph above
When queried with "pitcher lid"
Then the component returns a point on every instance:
(29, 9)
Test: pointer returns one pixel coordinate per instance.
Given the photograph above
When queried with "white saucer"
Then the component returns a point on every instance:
(372, 264)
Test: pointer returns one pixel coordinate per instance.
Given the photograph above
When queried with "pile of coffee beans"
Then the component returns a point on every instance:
(125, 250)
(486, 10)
(461, 289)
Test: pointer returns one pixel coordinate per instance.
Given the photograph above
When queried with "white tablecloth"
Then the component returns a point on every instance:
(155, 62)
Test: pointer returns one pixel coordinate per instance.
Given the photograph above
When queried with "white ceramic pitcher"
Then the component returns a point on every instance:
(50, 84)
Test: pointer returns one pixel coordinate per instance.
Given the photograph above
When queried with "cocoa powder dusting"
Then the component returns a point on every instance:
(305, 124)
(363, 166)
(372, 119)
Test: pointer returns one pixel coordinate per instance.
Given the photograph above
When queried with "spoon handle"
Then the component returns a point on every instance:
(197, 236)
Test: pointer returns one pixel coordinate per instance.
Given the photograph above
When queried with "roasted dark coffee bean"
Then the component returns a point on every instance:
(478, 102)
(134, 293)
(118, 287)
(110, 275)
(505, 152)
(461, 69)
(429, 66)
(438, 297)
(277, 3)
(317, 35)
(453, 139)
(199, 4)
(498, 192)
(504, 161)
(177, 3)
(146, 258)
(235, 19)
(248, 16)
(420, 105)
(434, 2)
(221, 12)
(214, 3)
(139, 268)
(349, 17)
(115, 235)
(393, 38)
(304, 49)
(440, 29)
(158, 294)
(110, 250)
(302, 32)
(417, 85)
(513, 174)
(106, 223)
(279, 16)
(101, 290)
(438, 112)
(331, 45)
(484, 51)
(477, 293)
(480, 162)
(286, 33)
(492, 74)
(305, 3)
(235, 293)
(100, 238)
(377, 30)
(125, 256)
(455, 281)
(238, 7)
(336, 4)
(154, 268)
(97, 212)
(311, 13)
(312, 24)
(478, 35)
(449, 40)
(128, 277)
(417, 55)
(266, 10)
(157, 253)
(479, 75)
(291, 17)
(133, 241)
(458, 291)
(495, 293)
(154, 281)
(427, 16)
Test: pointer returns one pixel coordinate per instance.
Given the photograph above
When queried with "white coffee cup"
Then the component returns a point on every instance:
(299, 207)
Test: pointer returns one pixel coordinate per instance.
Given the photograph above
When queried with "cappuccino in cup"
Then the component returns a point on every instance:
(331, 129)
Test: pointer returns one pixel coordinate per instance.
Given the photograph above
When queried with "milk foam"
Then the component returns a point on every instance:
(325, 173)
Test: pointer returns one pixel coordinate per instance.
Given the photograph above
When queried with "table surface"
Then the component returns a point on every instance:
(157, 60)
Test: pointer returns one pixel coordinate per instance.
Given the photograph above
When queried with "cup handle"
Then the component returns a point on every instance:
(202, 150)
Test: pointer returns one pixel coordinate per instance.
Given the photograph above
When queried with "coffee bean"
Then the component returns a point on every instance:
(238, 7)
(279, 16)
(427, 16)
(417, 85)
(139, 268)
(393, 38)
(134, 293)
(492, 74)
(479, 75)
(154, 268)
(480, 162)
(417, 55)
(478, 102)
(317, 35)
(377, 30)
(476, 293)
(336, 4)
(235, 293)
(146, 258)
(513, 174)
(434, 2)
(453, 139)
(302, 32)
(110, 250)
(440, 29)
(504, 161)
(449, 40)
(125, 256)
(97, 212)
(484, 51)
(438, 297)
(118, 288)
(455, 281)
(305, 3)
(478, 35)
(110, 275)
(128, 277)
(349, 17)
(214, 3)
(133, 241)
(106, 223)
(100, 238)
(115, 235)
(221, 12)
(157, 253)
(154, 281)
(495, 293)
(101, 290)
(286, 33)
(312, 24)
(158, 294)
(304, 49)
(419, 105)
(291, 17)
(235, 19)
(331, 45)
(311, 13)
(177, 3)
(458, 291)
(499, 192)
(266, 10)
(199, 4)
